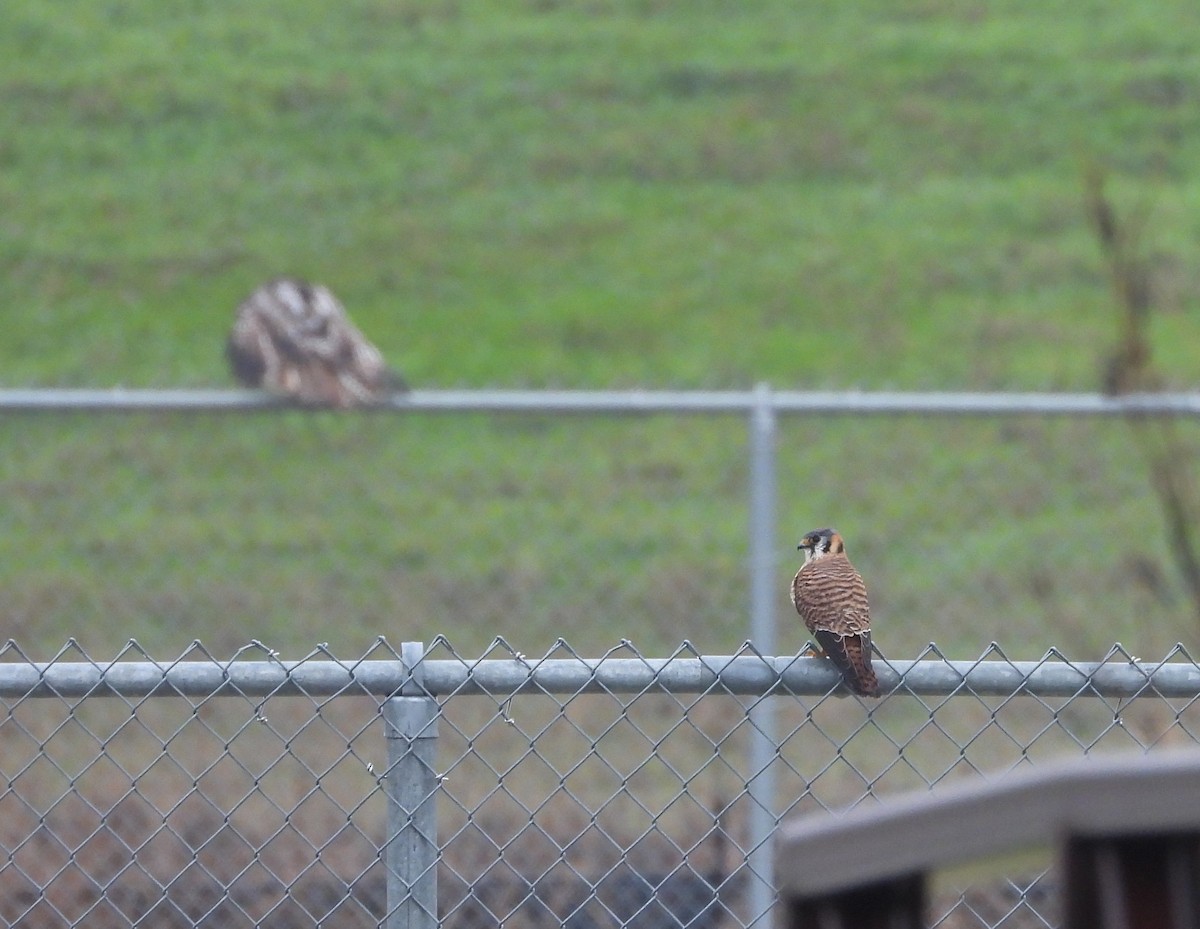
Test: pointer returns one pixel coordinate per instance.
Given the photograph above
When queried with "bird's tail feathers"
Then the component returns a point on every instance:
(851, 655)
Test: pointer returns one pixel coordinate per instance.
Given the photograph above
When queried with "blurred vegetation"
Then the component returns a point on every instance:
(586, 194)
(1131, 368)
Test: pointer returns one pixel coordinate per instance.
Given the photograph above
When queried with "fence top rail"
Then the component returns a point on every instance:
(625, 401)
(747, 675)
(952, 825)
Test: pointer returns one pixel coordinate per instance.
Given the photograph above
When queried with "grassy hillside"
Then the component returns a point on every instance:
(584, 194)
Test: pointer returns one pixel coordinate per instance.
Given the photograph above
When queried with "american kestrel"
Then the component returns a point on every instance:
(294, 338)
(831, 598)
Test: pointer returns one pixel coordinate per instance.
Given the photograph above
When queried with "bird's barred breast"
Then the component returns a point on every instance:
(830, 595)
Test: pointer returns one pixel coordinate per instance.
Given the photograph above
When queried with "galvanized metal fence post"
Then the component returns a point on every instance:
(763, 745)
(411, 848)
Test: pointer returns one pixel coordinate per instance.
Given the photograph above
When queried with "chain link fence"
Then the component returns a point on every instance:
(553, 790)
(135, 796)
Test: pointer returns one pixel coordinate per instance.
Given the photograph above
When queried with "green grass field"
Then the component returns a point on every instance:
(590, 194)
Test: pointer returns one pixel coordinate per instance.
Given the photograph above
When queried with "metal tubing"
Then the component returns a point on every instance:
(626, 401)
(762, 747)
(410, 851)
(750, 675)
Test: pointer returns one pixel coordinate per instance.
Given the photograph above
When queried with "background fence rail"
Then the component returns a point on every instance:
(853, 402)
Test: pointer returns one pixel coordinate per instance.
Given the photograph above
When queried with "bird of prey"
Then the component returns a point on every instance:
(831, 598)
(294, 338)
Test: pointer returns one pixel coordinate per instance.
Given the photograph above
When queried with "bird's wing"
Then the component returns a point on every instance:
(250, 352)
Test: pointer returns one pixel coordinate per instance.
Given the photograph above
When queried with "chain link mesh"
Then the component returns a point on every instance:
(584, 808)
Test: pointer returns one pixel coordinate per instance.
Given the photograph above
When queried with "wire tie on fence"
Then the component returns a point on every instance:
(506, 705)
(271, 652)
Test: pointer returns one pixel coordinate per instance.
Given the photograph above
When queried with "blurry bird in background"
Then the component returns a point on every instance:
(831, 598)
(293, 338)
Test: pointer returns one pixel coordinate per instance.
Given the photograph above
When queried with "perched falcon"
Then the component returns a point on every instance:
(831, 598)
(294, 338)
